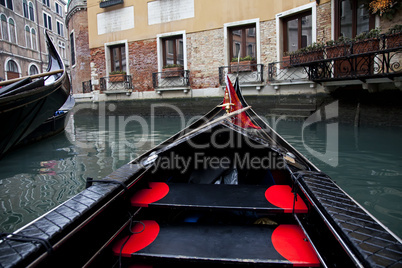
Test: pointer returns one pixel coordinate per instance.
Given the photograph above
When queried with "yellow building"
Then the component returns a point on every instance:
(182, 48)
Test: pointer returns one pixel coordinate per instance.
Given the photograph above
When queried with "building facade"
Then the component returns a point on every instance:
(182, 48)
(22, 41)
(79, 56)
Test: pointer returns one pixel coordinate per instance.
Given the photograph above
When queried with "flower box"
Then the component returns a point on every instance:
(116, 78)
(394, 40)
(306, 57)
(367, 45)
(337, 51)
(244, 66)
(172, 72)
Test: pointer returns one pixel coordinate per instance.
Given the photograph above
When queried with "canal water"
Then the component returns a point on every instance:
(366, 161)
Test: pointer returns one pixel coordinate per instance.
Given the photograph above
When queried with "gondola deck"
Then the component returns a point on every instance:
(276, 198)
(258, 244)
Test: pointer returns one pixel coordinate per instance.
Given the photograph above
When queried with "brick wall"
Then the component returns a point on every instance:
(98, 67)
(268, 42)
(324, 22)
(205, 54)
(81, 71)
(143, 62)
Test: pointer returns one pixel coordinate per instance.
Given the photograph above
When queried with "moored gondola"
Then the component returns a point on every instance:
(227, 190)
(25, 104)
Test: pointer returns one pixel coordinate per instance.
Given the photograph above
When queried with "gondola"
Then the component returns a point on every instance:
(26, 103)
(52, 126)
(225, 191)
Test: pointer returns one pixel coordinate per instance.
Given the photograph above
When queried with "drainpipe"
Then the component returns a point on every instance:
(39, 36)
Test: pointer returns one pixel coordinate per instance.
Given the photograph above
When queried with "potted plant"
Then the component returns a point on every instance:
(117, 76)
(394, 36)
(313, 52)
(172, 70)
(337, 48)
(245, 64)
(367, 42)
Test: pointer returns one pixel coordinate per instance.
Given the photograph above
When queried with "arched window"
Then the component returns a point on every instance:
(33, 70)
(13, 33)
(33, 35)
(31, 12)
(25, 8)
(28, 36)
(4, 28)
(12, 70)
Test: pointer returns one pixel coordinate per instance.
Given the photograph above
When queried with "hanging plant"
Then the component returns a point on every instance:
(385, 8)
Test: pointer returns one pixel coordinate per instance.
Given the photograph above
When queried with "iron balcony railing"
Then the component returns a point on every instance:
(249, 74)
(365, 59)
(171, 79)
(87, 86)
(283, 72)
(116, 83)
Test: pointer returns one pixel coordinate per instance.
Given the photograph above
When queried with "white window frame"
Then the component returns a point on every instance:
(279, 25)
(62, 27)
(47, 20)
(6, 63)
(75, 51)
(108, 58)
(29, 12)
(226, 27)
(29, 68)
(28, 35)
(159, 38)
(9, 30)
(60, 13)
(62, 48)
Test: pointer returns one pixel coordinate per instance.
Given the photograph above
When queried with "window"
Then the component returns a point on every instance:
(31, 12)
(7, 3)
(172, 48)
(60, 28)
(12, 29)
(47, 21)
(4, 27)
(118, 58)
(242, 41)
(33, 70)
(25, 8)
(352, 18)
(72, 48)
(28, 37)
(46, 3)
(62, 49)
(12, 70)
(297, 31)
(33, 36)
(59, 9)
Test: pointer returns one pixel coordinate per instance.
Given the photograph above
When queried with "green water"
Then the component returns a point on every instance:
(34, 179)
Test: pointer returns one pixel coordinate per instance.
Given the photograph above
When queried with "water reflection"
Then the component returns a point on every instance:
(36, 178)
(369, 169)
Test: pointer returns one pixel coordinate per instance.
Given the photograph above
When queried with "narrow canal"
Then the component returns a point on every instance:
(366, 161)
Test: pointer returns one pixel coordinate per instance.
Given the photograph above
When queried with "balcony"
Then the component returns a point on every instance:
(378, 58)
(282, 72)
(171, 80)
(87, 86)
(250, 75)
(118, 84)
(109, 3)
